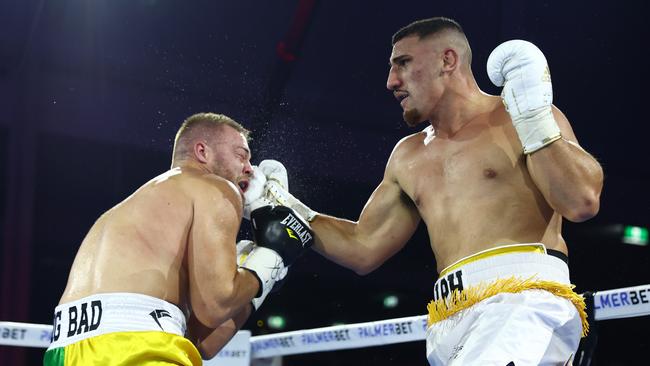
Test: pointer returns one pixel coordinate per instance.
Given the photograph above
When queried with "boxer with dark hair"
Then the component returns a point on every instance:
(492, 178)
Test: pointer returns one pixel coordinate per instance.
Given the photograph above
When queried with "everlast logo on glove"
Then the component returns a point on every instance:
(294, 226)
(280, 229)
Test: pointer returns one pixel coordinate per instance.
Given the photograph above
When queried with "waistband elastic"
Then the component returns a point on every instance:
(114, 312)
(524, 261)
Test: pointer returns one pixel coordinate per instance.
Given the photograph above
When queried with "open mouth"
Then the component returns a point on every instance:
(401, 96)
(243, 185)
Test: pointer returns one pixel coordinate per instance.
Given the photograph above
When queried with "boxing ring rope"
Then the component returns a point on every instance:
(610, 304)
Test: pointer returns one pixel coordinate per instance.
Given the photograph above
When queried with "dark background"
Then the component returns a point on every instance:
(92, 92)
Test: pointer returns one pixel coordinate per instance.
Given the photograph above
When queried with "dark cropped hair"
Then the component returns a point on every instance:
(426, 27)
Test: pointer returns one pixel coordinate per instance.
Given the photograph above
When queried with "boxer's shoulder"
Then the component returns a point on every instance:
(198, 187)
(221, 195)
(405, 152)
(408, 144)
(191, 182)
(215, 186)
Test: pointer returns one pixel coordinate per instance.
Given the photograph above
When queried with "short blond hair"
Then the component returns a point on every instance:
(202, 124)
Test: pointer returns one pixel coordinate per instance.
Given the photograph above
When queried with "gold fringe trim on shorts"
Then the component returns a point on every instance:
(443, 308)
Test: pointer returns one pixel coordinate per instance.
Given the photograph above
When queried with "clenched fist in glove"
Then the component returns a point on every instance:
(271, 175)
(266, 264)
(521, 68)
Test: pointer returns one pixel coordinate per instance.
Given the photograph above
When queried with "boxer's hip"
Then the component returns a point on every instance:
(119, 327)
(509, 268)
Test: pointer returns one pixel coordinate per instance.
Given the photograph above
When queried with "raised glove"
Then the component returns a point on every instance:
(268, 267)
(244, 248)
(521, 68)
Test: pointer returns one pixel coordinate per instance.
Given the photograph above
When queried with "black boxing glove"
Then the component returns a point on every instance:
(280, 229)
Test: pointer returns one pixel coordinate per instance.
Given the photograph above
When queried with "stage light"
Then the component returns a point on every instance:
(276, 322)
(635, 235)
(391, 301)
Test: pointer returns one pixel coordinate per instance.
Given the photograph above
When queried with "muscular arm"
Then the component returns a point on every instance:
(218, 289)
(387, 221)
(210, 340)
(569, 178)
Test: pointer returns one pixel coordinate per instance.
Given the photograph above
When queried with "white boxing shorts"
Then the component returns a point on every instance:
(510, 305)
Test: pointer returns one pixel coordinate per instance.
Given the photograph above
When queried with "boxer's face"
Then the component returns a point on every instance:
(415, 77)
(232, 158)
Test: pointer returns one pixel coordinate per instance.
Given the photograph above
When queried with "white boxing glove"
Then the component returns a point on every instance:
(244, 248)
(277, 194)
(254, 195)
(265, 263)
(274, 170)
(521, 68)
(277, 189)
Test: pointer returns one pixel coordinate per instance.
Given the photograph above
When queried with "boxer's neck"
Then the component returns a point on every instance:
(457, 108)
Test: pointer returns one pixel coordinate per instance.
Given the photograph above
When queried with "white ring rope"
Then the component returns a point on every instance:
(611, 304)
(337, 337)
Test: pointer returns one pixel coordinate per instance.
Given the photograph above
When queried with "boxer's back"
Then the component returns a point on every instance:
(139, 245)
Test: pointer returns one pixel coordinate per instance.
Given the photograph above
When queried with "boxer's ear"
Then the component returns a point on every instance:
(449, 60)
(202, 151)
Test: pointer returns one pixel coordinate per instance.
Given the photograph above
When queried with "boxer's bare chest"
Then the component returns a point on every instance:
(450, 178)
